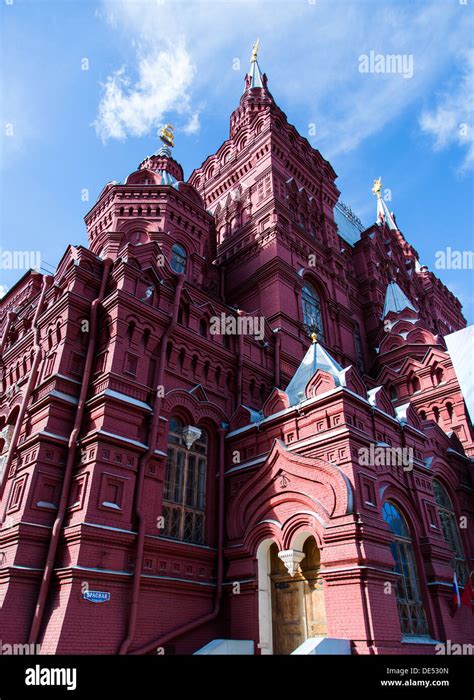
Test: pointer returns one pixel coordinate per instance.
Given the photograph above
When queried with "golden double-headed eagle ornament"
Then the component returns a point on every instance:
(167, 135)
(377, 188)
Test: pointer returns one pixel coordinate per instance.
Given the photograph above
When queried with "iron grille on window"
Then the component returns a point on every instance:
(178, 258)
(450, 530)
(185, 483)
(311, 306)
(409, 601)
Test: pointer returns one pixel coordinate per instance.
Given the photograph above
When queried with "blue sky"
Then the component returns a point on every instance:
(67, 130)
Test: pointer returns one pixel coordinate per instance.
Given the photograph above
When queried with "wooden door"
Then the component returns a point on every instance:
(297, 602)
(288, 615)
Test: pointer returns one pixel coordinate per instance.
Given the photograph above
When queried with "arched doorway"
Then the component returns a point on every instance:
(297, 600)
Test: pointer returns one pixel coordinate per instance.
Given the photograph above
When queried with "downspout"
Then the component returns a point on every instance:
(132, 621)
(277, 357)
(364, 592)
(10, 318)
(38, 354)
(72, 446)
(190, 626)
(240, 362)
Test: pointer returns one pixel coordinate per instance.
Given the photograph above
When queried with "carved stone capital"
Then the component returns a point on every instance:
(190, 435)
(291, 559)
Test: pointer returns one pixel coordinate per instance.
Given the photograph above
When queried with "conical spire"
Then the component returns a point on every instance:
(316, 358)
(383, 214)
(396, 300)
(254, 78)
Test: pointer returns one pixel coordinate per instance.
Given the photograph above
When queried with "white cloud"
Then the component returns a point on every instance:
(309, 51)
(193, 125)
(164, 80)
(451, 121)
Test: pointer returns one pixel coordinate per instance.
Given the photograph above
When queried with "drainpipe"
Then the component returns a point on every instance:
(190, 626)
(240, 362)
(132, 621)
(10, 318)
(72, 446)
(38, 354)
(277, 357)
(364, 592)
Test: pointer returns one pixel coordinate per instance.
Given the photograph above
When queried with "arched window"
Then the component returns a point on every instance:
(409, 602)
(311, 305)
(415, 385)
(184, 497)
(436, 413)
(450, 530)
(146, 338)
(130, 331)
(437, 376)
(392, 392)
(358, 350)
(252, 388)
(450, 410)
(169, 350)
(178, 258)
(203, 328)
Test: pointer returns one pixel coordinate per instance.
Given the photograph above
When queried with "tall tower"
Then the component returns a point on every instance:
(273, 197)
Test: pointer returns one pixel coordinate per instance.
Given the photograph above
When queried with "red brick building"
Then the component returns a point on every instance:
(182, 463)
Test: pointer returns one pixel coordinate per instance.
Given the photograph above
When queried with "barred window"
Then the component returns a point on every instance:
(358, 350)
(450, 530)
(178, 258)
(311, 306)
(409, 601)
(185, 484)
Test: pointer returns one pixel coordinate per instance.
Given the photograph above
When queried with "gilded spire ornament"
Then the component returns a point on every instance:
(167, 135)
(377, 188)
(253, 57)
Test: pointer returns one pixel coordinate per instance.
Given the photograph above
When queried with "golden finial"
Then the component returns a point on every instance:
(253, 57)
(167, 135)
(377, 188)
(314, 337)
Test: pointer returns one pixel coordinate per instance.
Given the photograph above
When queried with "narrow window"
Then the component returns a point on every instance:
(311, 306)
(409, 601)
(178, 258)
(450, 530)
